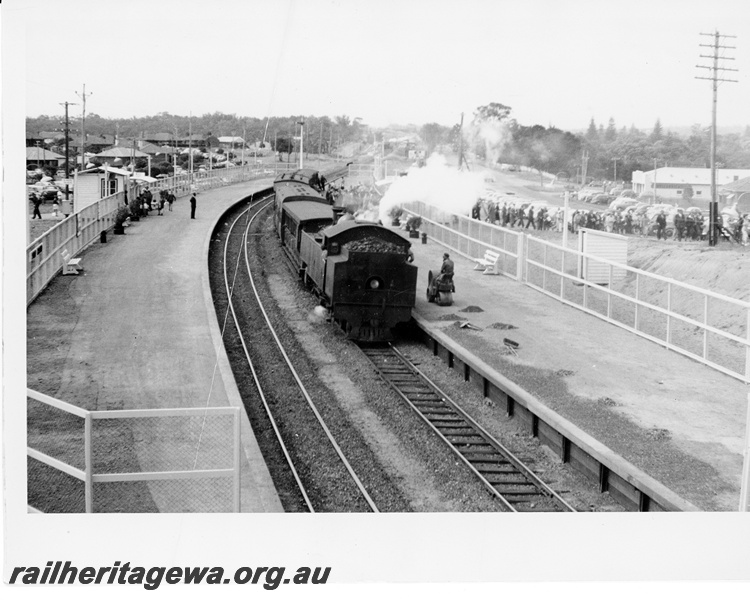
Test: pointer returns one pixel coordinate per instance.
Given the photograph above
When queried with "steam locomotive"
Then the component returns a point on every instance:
(360, 270)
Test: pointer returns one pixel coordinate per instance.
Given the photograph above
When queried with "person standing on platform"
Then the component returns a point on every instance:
(170, 200)
(193, 203)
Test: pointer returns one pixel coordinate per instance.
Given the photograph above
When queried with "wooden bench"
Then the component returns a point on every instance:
(71, 266)
(488, 264)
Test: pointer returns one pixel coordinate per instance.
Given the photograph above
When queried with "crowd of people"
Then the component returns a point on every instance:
(675, 223)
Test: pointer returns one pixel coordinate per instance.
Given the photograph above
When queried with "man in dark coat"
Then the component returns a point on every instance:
(447, 268)
(661, 225)
(193, 203)
(36, 201)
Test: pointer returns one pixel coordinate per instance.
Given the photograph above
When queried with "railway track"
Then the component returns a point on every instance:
(251, 321)
(504, 475)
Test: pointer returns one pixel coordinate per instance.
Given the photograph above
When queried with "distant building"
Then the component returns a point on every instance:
(34, 138)
(687, 186)
(230, 142)
(738, 192)
(43, 158)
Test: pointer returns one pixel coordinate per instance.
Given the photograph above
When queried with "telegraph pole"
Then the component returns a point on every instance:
(66, 206)
(301, 144)
(715, 78)
(83, 127)
(584, 167)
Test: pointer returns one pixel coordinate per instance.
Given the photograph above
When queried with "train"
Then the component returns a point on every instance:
(361, 271)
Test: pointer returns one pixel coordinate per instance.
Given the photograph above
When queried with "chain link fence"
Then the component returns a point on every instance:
(158, 460)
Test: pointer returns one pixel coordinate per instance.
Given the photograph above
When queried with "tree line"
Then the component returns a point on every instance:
(605, 153)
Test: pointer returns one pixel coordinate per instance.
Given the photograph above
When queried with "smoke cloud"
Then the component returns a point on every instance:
(493, 134)
(436, 183)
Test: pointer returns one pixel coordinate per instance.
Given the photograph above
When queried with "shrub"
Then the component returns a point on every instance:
(123, 212)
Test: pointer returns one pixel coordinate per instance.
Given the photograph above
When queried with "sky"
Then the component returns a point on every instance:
(555, 63)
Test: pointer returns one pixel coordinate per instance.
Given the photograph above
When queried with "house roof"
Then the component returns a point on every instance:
(35, 153)
(231, 139)
(45, 135)
(741, 185)
(150, 149)
(114, 170)
(119, 152)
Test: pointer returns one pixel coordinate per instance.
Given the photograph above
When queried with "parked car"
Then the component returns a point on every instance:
(587, 194)
(623, 203)
(602, 199)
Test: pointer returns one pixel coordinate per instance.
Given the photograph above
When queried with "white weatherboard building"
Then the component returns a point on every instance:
(688, 186)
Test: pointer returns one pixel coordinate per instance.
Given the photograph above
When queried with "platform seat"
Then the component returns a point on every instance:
(71, 266)
(488, 263)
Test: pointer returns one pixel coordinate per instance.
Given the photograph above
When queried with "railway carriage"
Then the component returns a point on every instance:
(361, 271)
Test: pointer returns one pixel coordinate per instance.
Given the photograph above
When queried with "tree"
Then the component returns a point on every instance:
(490, 130)
(611, 133)
(592, 134)
(657, 131)
(284, 144)
(433, 135)
(494, 111)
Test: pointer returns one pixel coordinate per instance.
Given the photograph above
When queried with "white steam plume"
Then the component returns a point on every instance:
(436, 183)
(493, 134)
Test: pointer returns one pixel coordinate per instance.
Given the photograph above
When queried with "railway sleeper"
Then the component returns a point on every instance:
(445, 418)
(450, 430)
(464, 440)
(436, 410)
(505, 492)
(494, 467)
(479, 451)
(508, 479)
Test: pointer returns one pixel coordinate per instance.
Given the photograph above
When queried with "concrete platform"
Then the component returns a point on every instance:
(677, 420)
(144, 334)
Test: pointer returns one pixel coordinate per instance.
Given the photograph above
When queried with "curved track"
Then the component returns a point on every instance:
(246, 316)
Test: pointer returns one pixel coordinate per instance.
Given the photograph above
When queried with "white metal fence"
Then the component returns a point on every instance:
(44, 255)
(157, 460)
(684, 318)
(470, 237)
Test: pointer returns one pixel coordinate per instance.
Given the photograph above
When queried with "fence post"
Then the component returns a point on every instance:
(236, 477)
(88, 483)
(745, 488)
(521, 258)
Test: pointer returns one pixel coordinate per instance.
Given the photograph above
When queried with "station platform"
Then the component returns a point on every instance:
(675, 419)
(137, 329)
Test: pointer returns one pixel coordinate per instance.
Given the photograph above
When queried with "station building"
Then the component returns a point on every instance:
(685, 186)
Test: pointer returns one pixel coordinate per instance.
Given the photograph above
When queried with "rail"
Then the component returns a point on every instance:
(682, 317)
